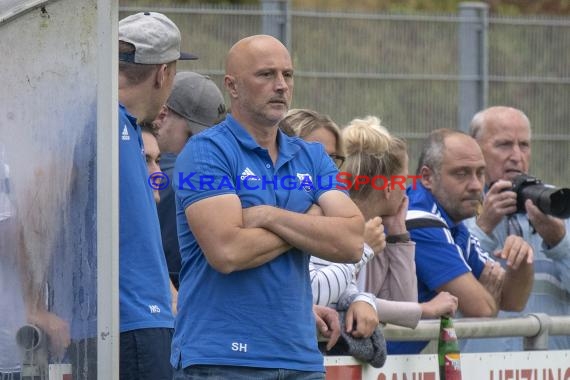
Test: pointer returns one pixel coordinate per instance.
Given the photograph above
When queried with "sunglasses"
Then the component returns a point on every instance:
(338, 159)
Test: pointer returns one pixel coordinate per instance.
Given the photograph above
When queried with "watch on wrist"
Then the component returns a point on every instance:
(399, 238)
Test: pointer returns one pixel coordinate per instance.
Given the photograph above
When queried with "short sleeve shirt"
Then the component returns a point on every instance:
(259, 317)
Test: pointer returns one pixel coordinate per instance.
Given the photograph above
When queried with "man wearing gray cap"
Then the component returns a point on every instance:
(149, 46)
(195, 104)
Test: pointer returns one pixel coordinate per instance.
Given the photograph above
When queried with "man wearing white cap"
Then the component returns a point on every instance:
(149, 46)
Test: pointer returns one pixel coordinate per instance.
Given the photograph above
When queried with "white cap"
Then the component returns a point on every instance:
(155, 37)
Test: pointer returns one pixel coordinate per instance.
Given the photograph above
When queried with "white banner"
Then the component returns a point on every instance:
(530, 365)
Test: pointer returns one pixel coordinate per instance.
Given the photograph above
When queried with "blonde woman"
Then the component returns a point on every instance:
(334, 284)
(390, 275)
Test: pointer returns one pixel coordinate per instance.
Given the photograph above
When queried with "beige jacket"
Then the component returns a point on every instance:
(391, 277)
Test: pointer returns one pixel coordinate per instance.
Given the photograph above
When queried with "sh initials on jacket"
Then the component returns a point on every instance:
(154, 309)
(239, 347)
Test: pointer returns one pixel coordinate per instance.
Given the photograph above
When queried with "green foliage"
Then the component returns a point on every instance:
(498, 7)
(404, 69)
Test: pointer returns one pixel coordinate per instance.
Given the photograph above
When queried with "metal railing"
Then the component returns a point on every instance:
(534, 328)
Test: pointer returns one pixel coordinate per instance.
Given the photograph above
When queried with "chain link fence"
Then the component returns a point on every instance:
(403, 68)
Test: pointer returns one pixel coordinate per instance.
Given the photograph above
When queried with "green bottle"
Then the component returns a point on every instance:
(448, 351)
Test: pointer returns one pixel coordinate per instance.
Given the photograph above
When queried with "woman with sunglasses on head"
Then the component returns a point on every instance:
(314, 127)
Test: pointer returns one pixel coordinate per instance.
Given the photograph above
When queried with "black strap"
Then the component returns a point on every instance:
(423, 223)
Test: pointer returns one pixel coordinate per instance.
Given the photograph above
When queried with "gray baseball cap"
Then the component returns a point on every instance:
(155, 37)
(196, 98)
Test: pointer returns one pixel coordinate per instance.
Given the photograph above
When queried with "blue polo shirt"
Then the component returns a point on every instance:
(260, 317)
(442, 254)
(144, 288)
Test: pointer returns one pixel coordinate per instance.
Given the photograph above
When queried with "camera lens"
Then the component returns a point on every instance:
(560, 203)
(550, 200)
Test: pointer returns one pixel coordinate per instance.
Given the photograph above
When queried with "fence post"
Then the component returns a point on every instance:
(276, 20)
(540, 340)
(473, 61)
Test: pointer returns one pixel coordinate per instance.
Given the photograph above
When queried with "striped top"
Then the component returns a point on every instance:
(334, 283)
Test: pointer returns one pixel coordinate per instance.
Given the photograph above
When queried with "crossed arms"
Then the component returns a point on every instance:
(227, 242)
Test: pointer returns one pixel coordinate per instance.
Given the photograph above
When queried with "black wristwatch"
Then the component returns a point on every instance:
(399, 238)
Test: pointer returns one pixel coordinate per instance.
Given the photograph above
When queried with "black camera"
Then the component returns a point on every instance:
(549, 199)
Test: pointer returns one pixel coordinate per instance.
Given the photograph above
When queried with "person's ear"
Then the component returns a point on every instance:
(427, 177)
(162, 114)
(387, 192)
(231, 85)
(161, 75)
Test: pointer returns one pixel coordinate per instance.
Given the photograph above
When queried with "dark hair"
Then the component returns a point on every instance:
(135, 73)
(433, 149)
(149, 127)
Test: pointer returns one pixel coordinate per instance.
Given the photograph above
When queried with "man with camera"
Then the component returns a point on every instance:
(504, 135)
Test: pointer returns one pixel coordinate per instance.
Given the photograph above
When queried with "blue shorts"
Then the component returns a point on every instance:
(145, 354)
